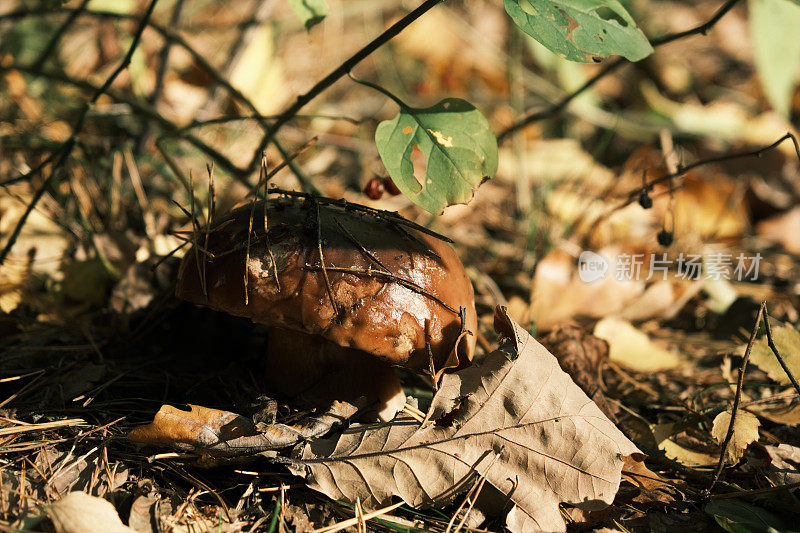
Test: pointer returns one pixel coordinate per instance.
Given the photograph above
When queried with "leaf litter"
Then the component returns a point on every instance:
(78, 375)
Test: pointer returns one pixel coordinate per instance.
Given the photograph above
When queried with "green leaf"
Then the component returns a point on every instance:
(450, 146)
(737, 516)
(773, 28)
(310, 12)
(580, 30)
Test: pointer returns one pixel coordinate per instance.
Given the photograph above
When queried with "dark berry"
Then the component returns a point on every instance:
(391, 188)
(645, 201)
(374, 189)
(665, 238)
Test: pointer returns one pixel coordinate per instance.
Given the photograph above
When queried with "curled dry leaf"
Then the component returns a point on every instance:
(78, 512)
(223, 434)
(745, 431)
(516, 418)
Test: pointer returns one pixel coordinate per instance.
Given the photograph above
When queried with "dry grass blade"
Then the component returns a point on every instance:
(353, 521)
(23, 427)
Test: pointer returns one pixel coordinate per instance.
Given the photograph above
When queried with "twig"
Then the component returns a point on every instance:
(391, 216)
(322, 258)
(647, 187)
(387, 275)
(163, 61)
(737, 398)
(69, 144)
(54, 40)
(608, 69)
(343, 69)
(369, 255)
(771, 344)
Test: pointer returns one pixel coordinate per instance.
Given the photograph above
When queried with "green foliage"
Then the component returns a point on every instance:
(580, 30)
(737, 516)
(452, 145)
(310, 12)
(773, 27)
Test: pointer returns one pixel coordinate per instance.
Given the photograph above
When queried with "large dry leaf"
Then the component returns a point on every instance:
(516, 418)
(78, 512)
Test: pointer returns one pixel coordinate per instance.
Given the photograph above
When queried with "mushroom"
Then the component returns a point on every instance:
(348, 293)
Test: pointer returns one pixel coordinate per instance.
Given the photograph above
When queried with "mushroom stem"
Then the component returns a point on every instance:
(322, 371)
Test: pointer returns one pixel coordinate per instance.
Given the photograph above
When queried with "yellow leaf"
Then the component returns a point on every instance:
(632, 348)
(787, 341)
(745, 431)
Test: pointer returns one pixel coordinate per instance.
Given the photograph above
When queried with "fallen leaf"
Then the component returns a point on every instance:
(580, 355)
(559, 294)
(745, 431)
(651, 488)
(784, 414)
(663, 433)
(737, 516)
(787, 341)
(216, 433)
(784, 460)
(516, 418)
(782, 229)
(199, 428)
(632, 348)
(78, 512)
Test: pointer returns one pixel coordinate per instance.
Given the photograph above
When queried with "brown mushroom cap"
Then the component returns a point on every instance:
(392, 291)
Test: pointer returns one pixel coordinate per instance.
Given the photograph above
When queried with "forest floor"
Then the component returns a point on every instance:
(93, 340)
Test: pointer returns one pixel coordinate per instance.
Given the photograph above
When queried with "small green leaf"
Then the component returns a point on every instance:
(773, 27)
(311, 12)
(737, 516)
(580, 30)
(439, 155)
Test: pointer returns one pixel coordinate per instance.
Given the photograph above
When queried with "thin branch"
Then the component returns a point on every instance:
(322, 258)
(391, 216)
(366, 253)
(343, 69)
(54, 40)
(163, 62)
(647, 187)
(771, 344)
(386, 275)
(737, 398)
(559, 106)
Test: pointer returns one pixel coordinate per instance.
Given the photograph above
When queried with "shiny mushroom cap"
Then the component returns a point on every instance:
(366, 280)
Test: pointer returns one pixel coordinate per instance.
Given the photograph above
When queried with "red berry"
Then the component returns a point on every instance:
(391, 188)
(374, 189)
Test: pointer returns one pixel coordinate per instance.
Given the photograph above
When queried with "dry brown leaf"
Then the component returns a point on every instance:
(783, 230)
(651, 487)
(745, 431)
(632, 348)
(78, 512)
(516, 418)
(788, 414)
(559, 294)
(223, 434)
(784, 460)
(200, 428)
(580, 355)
